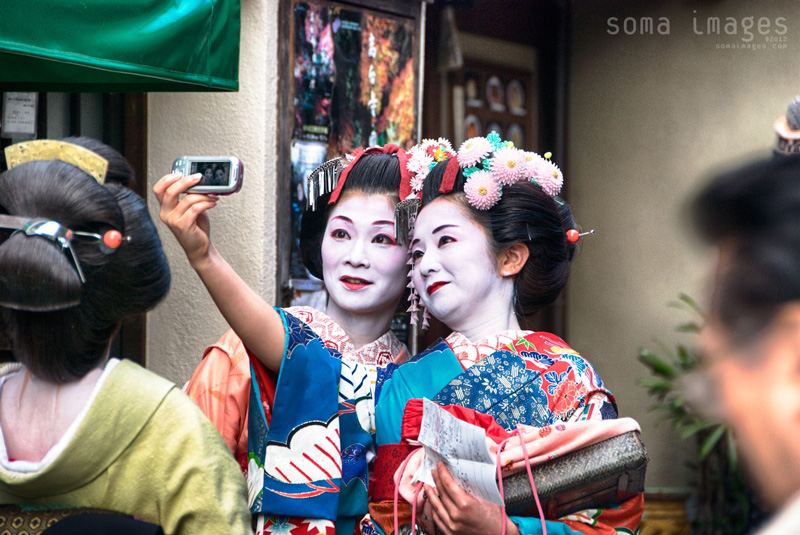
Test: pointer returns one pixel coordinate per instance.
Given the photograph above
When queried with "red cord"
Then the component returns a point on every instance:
(530, 478)
(414, 508)
(500, 483)
(500, 448)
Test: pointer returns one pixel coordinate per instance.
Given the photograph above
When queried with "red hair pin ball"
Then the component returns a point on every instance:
(112, 239)
(573, 235)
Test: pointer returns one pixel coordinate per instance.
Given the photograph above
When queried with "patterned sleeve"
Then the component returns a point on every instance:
(308, 464)
(221, 388)
(573, 387)
(577, 391)
(623, 518)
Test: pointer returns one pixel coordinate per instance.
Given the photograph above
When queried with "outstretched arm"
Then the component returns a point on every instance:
(255, 321)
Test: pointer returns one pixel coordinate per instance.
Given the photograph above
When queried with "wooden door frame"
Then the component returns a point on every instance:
(133, 334)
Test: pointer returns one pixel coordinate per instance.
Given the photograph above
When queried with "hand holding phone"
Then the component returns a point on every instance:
(222, 175)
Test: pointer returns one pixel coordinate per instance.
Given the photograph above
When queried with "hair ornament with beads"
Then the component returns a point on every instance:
(331, 176)
(108, 242)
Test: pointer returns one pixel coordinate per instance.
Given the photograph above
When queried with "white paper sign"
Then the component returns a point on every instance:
(19, 115)
(462, 448)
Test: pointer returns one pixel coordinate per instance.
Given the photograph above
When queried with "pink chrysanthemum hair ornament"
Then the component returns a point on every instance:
(490, 163)
(420, 160)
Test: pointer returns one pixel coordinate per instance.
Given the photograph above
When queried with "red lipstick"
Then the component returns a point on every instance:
(354, 283)
(435, 286)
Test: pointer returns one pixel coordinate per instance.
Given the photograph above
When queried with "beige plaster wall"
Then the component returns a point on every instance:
(242, 124)
(649, 116)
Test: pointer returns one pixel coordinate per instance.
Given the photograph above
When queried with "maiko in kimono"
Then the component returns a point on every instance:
(492, 244)
(347, 239)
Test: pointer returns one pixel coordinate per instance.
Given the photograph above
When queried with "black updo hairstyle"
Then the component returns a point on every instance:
(58, 327)
(372, 173)
(525, 213)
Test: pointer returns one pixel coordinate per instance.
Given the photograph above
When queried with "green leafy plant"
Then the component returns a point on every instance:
(725, 503)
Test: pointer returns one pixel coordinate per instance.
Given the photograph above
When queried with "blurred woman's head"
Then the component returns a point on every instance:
(60, 327)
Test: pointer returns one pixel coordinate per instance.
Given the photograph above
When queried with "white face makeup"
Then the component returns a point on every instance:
(456, 274)
(364, 271)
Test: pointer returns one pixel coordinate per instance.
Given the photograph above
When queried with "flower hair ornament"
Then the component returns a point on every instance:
(54, 231)
(488, 163)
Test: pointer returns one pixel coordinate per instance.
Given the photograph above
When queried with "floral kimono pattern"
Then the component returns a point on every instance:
(534, 379)
(519, 378)
(221, 386)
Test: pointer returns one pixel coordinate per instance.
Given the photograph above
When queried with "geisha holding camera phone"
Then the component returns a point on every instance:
(222, 175)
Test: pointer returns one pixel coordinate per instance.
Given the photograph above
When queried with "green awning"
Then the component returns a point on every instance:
(119, 45)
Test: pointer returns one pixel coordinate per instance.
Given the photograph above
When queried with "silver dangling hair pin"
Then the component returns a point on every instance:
(322, 181)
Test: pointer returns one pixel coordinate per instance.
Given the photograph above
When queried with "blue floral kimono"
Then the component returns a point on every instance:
(534, 380)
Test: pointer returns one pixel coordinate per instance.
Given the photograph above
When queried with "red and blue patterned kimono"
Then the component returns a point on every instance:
(519, 378)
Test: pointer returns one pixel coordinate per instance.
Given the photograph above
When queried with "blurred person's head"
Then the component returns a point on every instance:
(60, 326)
(752, 342)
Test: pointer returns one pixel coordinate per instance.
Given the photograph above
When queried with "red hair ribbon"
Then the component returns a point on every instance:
(449, 178)
(405, 175)
(386, 149)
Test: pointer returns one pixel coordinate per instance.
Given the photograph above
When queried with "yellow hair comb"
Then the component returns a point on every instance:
(50, 149)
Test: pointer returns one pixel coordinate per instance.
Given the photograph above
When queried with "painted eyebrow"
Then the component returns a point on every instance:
(381, 223)
(442, 227)
(437, 229)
